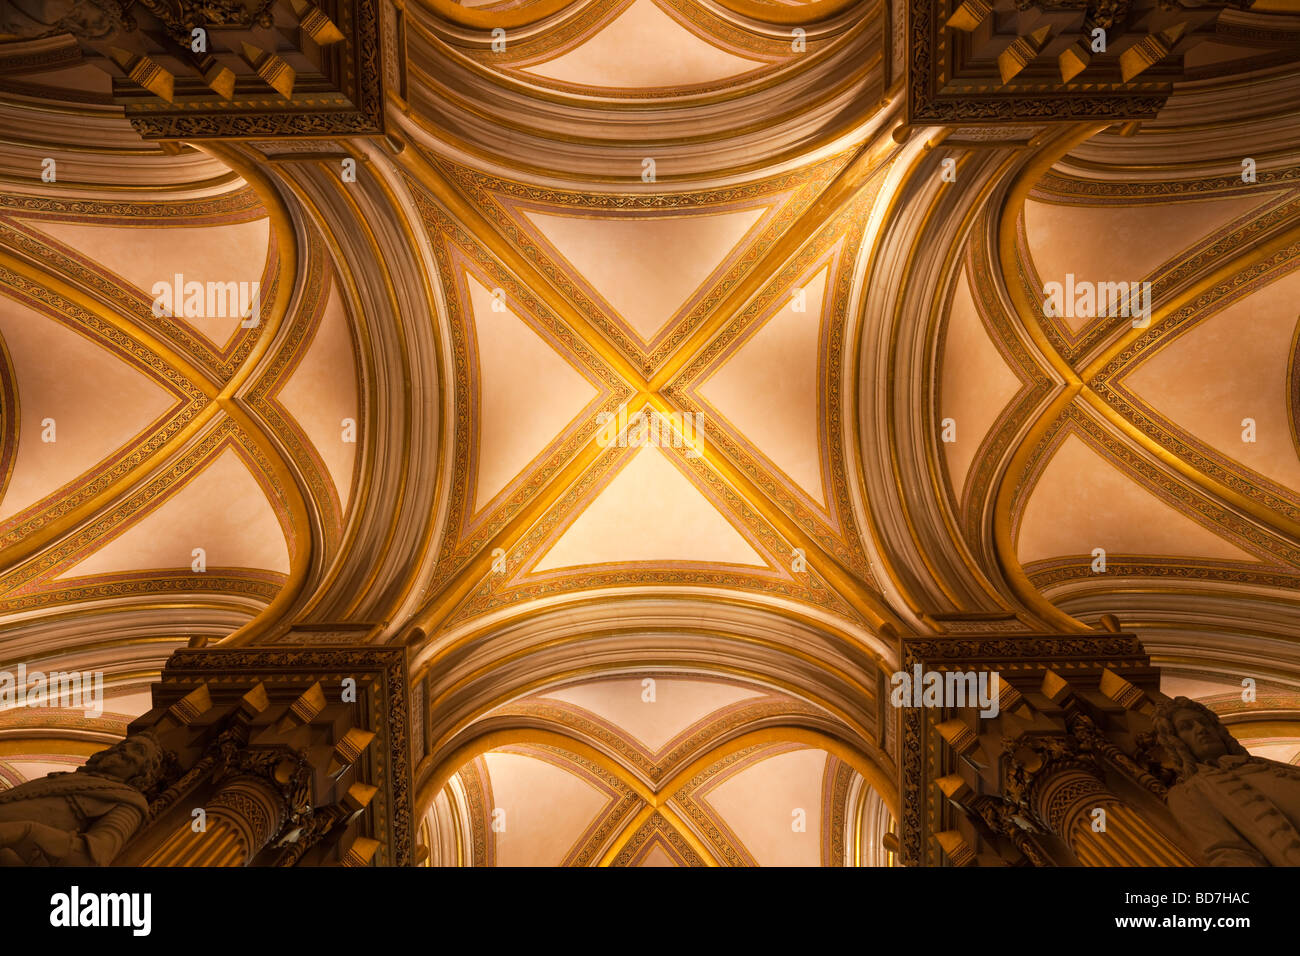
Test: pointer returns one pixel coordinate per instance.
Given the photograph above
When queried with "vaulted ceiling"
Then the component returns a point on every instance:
(1169, 450)
(629, 354)
(669, 770)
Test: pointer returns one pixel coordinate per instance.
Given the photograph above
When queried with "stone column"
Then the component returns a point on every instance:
(1064, 788)
(241, 819)
(261, 793)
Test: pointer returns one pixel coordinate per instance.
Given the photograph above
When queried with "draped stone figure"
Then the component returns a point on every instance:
(81, 818)
(1238, 809)
(85, 19)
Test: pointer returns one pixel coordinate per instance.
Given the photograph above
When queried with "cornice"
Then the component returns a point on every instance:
(99, 155)
(1204, 132)
(485, 116)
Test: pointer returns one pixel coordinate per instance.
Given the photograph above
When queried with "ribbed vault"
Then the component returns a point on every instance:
(604, 366)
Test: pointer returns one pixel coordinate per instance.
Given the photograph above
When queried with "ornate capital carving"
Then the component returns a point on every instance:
(1053, 778)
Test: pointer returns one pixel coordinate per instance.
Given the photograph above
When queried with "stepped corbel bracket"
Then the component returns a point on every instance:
(325, 729)
(1002, 62)
(246, 69)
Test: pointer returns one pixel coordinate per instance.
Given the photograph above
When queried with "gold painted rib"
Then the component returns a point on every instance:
(1003, 540)
(812, 11)
(521, 16)
(468, 215)
(840, 190)
(1003, 487)
(861, 598)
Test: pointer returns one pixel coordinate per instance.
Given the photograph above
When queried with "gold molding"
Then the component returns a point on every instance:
(469, 216)
(957, 262)
(1005, 494)
(33, 543)
(532, 687)
(361, 493)
(521, 16)
(15, 746)
(589, 634)
(809, 11)
(840, 190)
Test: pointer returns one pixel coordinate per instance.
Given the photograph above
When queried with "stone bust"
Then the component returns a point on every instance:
(81, 818)
(1238, 809)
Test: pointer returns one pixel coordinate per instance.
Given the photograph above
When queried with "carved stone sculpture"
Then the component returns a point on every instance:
(1238, 809)
(81, 818)
(84, 19)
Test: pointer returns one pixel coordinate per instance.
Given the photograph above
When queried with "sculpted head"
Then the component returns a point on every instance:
(1193, 732)
(1200, 736)
(136, 761)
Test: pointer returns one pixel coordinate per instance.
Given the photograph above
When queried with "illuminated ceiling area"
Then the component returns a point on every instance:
(169, 451)
(1155, 468)
(646, 380)
(669, 770)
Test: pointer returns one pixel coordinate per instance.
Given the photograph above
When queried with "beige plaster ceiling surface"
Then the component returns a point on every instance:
(652, 719)
(97, 410)
(650, 512)
(234, 252)
(1232, 366)
(222, 510)
(976, 386)
(515, 365)
(644, 48)
(1082, 502)
(1120, 243)
(645, 267)
(322, 394)
(769, 389)
(542, 808)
